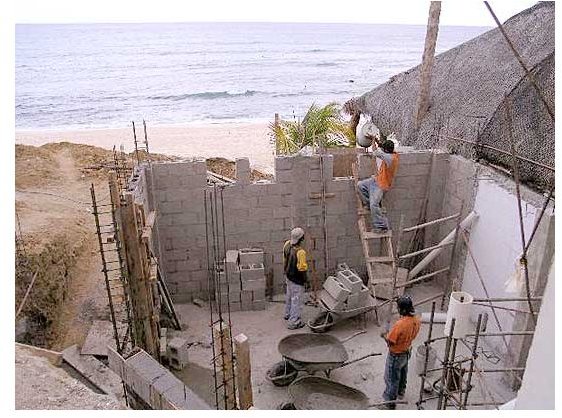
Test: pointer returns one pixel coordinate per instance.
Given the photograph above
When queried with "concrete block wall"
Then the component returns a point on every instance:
(459, 189)
(261, 214)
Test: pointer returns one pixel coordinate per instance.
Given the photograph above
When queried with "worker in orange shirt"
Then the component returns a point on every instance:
(372, 190)
(399, 340)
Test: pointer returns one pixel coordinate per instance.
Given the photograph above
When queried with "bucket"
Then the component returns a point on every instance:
(420, 358)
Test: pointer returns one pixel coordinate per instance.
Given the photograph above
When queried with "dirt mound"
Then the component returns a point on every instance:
(34, 166)
(227, 168)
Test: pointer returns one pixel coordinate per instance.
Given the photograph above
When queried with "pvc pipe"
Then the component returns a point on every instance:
(439, 317)
(449, 238)
(460, 306)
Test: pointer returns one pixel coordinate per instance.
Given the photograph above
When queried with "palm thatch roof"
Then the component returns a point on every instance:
(470, 87)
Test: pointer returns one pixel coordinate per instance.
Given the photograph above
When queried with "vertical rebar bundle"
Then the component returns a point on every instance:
(220, 324)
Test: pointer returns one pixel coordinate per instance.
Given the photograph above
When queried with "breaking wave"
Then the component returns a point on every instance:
(209, 95)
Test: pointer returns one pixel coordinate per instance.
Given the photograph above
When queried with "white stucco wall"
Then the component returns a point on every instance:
(496, 243)
(537, 390)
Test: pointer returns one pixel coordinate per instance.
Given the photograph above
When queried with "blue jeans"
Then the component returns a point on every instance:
(294, 300)
(395, 375)
(371, 194)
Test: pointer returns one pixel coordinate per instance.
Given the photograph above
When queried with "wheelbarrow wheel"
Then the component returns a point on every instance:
(282, 374)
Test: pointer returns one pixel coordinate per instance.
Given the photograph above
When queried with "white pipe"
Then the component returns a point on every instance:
(449, 238)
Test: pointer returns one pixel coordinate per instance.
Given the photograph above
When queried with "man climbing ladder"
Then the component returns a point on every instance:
(371, 190)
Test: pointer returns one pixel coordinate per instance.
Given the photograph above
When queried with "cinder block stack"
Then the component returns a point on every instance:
(245, 272)
(345, 291)
(176, 352)
(252, 279)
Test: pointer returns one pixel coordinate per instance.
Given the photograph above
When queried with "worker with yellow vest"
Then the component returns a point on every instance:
(295, 267)
(372, 190)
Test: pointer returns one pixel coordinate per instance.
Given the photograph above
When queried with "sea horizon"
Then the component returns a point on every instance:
(72, 76)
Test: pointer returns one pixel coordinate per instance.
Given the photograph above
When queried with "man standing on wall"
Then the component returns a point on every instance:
(399, 340)
(295, 266)
(371, 190)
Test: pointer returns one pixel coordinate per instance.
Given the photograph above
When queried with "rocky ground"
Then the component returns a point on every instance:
(40, 385)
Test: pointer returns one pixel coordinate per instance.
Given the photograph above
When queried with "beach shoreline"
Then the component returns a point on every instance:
(227, 140)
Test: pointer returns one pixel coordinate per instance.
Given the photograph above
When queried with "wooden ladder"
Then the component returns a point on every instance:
(376, 274)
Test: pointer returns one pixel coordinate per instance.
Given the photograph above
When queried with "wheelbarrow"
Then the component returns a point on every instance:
(311, 353)
(313, 392)
(328, 317)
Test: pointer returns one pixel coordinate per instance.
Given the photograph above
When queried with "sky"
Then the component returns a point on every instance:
(453, 12)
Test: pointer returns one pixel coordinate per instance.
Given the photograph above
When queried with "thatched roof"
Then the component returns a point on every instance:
(469, 87)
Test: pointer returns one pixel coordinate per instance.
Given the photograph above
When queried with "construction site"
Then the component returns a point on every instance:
(193, 272)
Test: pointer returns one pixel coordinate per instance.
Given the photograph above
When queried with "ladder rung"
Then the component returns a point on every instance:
(382, 259)
(377, 235)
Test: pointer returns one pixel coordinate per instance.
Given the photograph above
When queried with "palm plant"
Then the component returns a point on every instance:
(321, 126)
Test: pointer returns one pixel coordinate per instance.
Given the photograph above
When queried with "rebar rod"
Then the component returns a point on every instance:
(484, 287)
(543, 209)
(426, 357)
(493, 307)
(471, 367)
(445, 373)
(498, 300)
(519, 157)
(523, 259)
(104, 269)
(234, 402)
(209, 276)
(136, 144)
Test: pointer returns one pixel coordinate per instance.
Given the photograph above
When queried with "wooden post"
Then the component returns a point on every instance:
(427, 62)
(243, 371)
(145, 324)
(223, 352)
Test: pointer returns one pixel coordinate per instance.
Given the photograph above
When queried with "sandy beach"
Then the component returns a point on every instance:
(232, 140)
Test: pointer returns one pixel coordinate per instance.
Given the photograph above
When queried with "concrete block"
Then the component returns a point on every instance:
(159, 387)
(350, 280)
(232, 257)
(177, 353)
(116, 362)
(141, 370)
(352, 301)
(336, 289)
(258, 305)
(181, 397)
(163, 342)
(363, 295)
(252, 271)
(242, 170)
(253, 285)
(283, 163)
(258, 294)
(246, 297)
(331, 303)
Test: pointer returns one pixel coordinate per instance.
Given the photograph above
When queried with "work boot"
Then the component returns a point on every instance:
(296, 325)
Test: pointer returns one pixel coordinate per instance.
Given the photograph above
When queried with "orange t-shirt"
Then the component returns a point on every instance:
(385, 174)
(403, 333)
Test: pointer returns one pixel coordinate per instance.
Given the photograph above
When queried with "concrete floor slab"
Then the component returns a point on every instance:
(266, 328)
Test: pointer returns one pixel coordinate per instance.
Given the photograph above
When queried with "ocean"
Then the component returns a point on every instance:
(88, 76)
